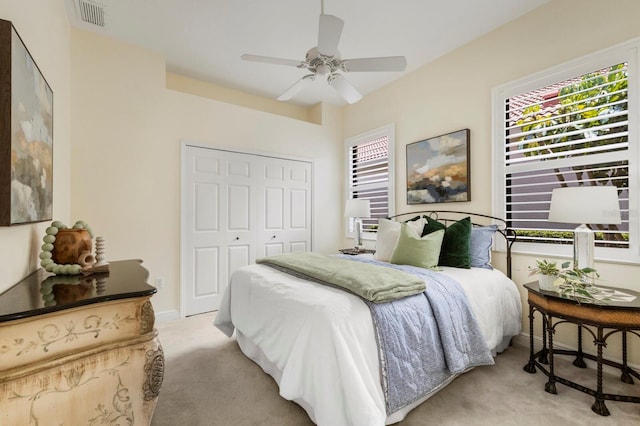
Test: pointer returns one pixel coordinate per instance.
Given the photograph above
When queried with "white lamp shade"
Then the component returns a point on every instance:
(585, 204)
(357, 207)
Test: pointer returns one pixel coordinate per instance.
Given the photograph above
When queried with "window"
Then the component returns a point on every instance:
(573, 125)
(370, 175)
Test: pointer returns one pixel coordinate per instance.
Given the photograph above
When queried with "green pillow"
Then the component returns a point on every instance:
(417, 251)
(456, 244)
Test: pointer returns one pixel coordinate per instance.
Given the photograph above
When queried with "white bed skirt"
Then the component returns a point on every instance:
(318, 342)
(254, 353)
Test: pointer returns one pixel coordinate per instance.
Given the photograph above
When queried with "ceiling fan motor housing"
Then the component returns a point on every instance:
(321, 64)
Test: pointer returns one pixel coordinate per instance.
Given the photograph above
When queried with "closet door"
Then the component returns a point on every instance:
(220, 223)
(238, 207)
(284, 223)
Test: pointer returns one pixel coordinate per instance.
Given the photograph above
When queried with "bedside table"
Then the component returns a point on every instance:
(616, 316)
(355, 251)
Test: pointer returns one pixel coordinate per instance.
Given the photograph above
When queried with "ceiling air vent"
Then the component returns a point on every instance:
(91, 12)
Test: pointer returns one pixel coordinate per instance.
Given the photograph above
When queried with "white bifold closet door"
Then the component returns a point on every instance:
(238, 207)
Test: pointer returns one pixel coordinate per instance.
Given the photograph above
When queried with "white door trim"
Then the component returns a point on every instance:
(184, 143)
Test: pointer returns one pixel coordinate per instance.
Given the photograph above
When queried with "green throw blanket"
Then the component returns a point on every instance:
(371, 282)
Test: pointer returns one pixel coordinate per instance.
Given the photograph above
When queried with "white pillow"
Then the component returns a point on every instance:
(386, 239)
(388, 233)
(417, 226)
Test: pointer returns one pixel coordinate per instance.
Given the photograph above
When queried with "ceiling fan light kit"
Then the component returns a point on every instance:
(324, 59)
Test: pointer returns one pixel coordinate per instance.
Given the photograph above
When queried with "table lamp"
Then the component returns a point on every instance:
(357, 208)
(584, 205)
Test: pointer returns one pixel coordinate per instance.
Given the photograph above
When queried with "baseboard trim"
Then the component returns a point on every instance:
(523, 340)
(165, 316)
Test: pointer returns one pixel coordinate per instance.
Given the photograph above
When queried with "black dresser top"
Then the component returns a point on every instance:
(42, 292)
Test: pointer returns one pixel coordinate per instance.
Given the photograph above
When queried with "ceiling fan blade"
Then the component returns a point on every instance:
(346, 90)
(295, 88)
(389, 63)
(329, 32)
(270, 60)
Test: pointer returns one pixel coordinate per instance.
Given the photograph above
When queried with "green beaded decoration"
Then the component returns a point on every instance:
(46, 260)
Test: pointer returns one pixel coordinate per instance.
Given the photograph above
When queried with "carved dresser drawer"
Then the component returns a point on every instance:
(80, 350)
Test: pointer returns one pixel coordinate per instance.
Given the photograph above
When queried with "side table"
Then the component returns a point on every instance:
(607, 318)
(355, 251)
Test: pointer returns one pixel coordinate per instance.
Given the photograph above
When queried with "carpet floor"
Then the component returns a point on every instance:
(208, 381)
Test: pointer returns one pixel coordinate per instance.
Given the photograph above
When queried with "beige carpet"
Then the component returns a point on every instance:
(208, 381)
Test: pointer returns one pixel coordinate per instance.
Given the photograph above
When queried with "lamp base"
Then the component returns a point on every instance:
(583, 248)
(357, 232)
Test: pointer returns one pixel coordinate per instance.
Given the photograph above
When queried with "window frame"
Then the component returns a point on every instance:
(624, 52)
(387, 131)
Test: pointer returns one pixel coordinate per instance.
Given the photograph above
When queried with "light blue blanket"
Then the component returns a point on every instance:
(425, 340)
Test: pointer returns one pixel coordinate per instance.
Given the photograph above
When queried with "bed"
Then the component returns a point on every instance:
(325, 347)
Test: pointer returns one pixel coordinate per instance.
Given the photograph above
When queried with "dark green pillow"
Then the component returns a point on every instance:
(456, 244)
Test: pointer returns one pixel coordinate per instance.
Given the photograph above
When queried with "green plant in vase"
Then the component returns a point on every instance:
(570, 282)
(549, 273)
(545, 267)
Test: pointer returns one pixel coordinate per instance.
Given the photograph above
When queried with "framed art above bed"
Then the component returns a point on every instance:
(438, 169)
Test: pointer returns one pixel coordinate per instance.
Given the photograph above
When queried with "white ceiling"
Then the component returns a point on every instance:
(204, 39)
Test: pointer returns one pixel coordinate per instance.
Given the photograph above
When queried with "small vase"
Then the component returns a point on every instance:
(546, 282)
(70, 244)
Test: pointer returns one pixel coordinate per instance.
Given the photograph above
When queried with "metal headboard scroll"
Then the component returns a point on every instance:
(477, 219)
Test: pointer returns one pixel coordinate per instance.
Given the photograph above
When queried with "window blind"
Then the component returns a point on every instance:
(369, 178)
(570, 133)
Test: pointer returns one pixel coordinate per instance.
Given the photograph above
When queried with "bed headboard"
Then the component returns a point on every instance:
(477, 219)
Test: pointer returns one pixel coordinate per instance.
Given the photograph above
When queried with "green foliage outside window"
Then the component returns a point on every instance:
(558, 236)
(574, 119)
(595, 95)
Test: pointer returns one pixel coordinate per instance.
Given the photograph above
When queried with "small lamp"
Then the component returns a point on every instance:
(357, 208)
(583, 205)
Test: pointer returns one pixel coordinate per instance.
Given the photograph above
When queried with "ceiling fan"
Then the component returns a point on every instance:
(324, 59)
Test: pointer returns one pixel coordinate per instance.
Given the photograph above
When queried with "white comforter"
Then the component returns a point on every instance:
(318, 342)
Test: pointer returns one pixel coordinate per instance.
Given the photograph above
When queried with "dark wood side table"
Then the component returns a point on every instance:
(80, 350)
(607, 318)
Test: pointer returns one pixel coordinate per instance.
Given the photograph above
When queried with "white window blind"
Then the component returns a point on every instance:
(574, 131)
(370, 172)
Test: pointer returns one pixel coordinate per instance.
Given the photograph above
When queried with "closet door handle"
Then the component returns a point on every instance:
(273, 238)
(237, 238)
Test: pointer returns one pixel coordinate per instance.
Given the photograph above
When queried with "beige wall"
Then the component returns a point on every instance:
(127, 129)
(44, 28)
(121, 174)
(184, 84)
(454, 92)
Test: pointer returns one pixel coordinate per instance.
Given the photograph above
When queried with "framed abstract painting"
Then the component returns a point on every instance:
(438, 169)
(26, 134)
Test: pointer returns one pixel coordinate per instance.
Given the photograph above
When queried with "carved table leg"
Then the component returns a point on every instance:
(579, 361)
(599, 406)
(550, 387)
(543, 358)
(626, 377)
(531, 365)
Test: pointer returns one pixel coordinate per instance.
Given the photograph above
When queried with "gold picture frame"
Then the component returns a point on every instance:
(438, 169)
